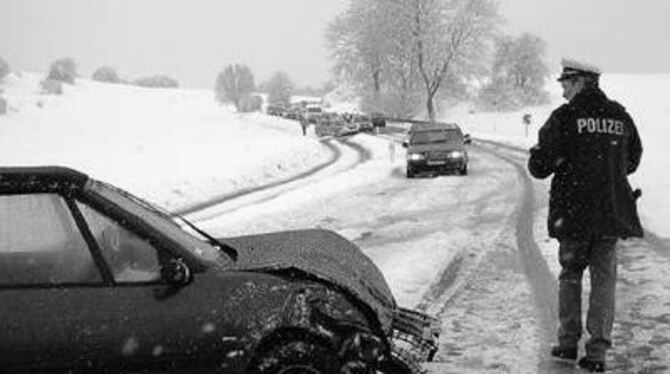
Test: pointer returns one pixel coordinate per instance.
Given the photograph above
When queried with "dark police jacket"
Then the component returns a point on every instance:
(590, 145)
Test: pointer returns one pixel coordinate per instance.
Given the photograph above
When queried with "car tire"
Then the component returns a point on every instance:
(297, 356)
(464, 170)
(410, 173)
(395, 366)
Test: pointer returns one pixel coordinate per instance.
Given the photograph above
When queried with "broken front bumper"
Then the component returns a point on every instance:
(414, 338)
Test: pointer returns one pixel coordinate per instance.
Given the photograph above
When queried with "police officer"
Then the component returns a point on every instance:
(590, 145)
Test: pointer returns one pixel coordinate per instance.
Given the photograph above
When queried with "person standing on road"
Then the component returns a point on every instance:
(590, 145)
(303, 125)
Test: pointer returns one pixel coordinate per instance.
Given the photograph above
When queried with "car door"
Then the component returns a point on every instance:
(66, 304)
(43, 262)
(150, 322)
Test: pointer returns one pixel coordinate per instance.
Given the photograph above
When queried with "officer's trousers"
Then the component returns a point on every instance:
(599, 255)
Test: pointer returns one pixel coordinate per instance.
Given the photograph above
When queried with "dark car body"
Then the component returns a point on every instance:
(275, 110)
(437, 148)
(364, 122)
(378, 119)
(93, 279)
(331, 124)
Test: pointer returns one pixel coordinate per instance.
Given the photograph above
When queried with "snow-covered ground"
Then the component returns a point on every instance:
(179, 147)
(646, 98)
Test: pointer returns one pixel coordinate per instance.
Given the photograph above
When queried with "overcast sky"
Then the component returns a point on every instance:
(192, 40)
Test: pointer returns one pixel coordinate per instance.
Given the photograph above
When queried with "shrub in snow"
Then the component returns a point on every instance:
(106, 74)
(52, 87)
(156, 81)
(250, 103)
(63, 70)
(4, 68)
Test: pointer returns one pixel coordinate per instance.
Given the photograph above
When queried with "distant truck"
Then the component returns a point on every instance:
(311, 113)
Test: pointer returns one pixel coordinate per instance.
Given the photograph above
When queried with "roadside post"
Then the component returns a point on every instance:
(527, 119)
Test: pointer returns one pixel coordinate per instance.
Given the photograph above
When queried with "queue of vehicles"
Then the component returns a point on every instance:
(431, 147)
(327, 123)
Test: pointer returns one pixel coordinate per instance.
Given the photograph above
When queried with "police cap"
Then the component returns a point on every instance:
(574, 68)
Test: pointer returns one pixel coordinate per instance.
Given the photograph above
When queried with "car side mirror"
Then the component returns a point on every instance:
(405, 144)
(467, 139)
(176, 272)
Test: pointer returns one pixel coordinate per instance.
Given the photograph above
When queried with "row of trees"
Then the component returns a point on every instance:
(64, 70)
(402, 53)
(236, 84)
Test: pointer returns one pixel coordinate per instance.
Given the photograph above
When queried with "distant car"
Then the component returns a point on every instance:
(330, 124)
(292, 113)
(94, 279)
(275, 110)
(378, 119)
(438, 147)
(364, 122)
(350, 128)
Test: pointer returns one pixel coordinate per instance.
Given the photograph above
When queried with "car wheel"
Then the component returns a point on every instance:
(410, 173)
(395, 366)
(297, 357)
(464, 171)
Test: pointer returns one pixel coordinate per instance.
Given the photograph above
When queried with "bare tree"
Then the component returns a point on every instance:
(518, 74)
(403, 47)
(450, 34)
(279, 88)
(359, 42)
(233, 84)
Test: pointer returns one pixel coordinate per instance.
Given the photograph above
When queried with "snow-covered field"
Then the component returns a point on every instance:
(173, 147)
(178, 147)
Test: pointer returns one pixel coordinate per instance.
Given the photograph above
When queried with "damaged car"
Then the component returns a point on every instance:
(95, 279)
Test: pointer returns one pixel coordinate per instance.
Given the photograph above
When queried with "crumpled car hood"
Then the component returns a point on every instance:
(323, 254)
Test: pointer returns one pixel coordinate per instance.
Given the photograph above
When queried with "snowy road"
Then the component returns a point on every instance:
(470, 246)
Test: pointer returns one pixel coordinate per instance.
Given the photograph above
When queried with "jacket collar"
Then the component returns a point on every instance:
(589, 94)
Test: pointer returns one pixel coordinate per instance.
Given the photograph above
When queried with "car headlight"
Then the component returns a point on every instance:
(456, 154)
(415, 156)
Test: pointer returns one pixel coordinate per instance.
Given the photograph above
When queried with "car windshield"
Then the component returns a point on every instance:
(160, 220)
(438, 136)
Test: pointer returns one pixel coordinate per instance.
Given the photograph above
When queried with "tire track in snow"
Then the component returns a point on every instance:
(336, 153)
(540, 277)
(362, 155)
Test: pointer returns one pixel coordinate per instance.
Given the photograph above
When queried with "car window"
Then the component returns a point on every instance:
(41, 244)
(130, 257)
(159, 220)
(426, 137)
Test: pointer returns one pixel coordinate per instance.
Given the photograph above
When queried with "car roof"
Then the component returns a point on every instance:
(40, 178)
(435, 126)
